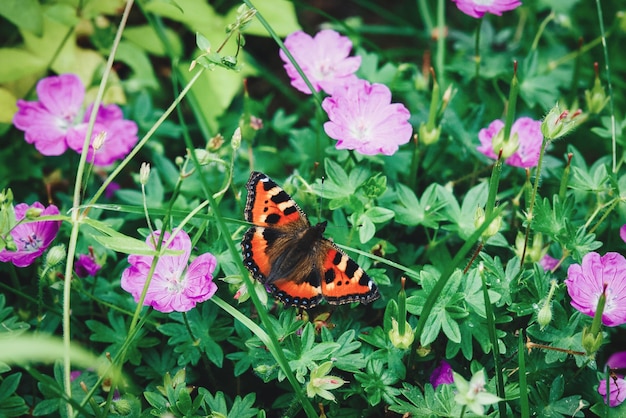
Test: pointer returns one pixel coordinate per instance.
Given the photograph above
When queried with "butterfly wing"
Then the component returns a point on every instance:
(343, 280)
(270, 247)
(296, 264)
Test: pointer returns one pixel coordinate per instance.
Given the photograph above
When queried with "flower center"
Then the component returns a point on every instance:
(31, 243)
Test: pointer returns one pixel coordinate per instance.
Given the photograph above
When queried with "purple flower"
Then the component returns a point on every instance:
(323, 59)
(86, 265)
(477, 8)
(617, 390)
(363, 118)
(58, 121)
(442, 375)
(622, 232)
(120, 135)
(593, 277)
(46, 123)
(175, 286)
(529, 139)
(548, 263)
(617, 360)
(110, 190)
(32, 238)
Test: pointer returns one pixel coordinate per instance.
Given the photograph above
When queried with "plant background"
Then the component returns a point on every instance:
(422, 225)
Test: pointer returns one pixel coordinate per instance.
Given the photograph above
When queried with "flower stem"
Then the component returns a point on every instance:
(533, 198)
(441, 42)
(477, 50)
(607, 68)
(523, 386)
(76, 214)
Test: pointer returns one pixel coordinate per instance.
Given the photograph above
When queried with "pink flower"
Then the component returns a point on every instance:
(442, 375)
(58, 121)
(617, 360)
(120, 135)
(529, 139)
(363, 118)
(86, 265)
(31, 239)
(548, 263)
(46, 123)
(175, 286)
(477, 8)
(323, 59)
(617, 390)
(593, 277)
(622, 233)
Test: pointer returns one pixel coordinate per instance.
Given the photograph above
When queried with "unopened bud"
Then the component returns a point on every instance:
(98, 141)
(55, 255)
(429, 136)
(32, 213)
(235, 141)
(144, 173)
(591, 342)
(544, 316)
(403, 342)
(492, 229)
(558, 123)
(596, 98)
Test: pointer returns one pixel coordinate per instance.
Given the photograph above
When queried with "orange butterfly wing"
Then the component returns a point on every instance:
(292, 258)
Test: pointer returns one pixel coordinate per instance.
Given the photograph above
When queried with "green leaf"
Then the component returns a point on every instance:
(17, 63)
(125, 245)
(281, 14)
(25, 14)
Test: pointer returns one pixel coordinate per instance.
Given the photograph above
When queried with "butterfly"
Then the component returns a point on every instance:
(292, 258)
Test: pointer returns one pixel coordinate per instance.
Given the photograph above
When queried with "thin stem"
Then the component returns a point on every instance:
(424, 11)
(75, 216)
(609, 86)
(523, 386)
(441, 42)
(533, 198)
(542, 27)
(477, 49)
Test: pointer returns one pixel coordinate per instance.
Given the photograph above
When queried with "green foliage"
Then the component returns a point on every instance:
(205, 85)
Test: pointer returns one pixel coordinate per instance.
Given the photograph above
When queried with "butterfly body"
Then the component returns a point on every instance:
(292, 258)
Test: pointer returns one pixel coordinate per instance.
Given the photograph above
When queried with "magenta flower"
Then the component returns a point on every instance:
(175, 286)
(594, 276)
(478, 8)
(548, 262)
(362, 118)
(58, 121)
(442, 375)
(31, 239)
(47, 122)
(617, 390)
(120, 135)
(622, 232)
(323, 59)
(529, 141)
(86, 265)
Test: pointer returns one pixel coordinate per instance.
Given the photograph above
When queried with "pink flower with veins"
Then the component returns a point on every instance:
(31, 239)
(362, 118)
(478, 8)
(593, 277)
(323, 59)
(120, 135)
(175, 285)
(47, 122)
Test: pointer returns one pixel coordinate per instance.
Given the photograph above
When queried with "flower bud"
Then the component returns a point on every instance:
(144, 173)
(492, 229)
(429, 136)
(122, 407)
(32, 213)
(544, 316)
(55, 255)
(235, 141)
(558, 123)
(596, 98)
(591, 342)
(99, 140)
(403, 342)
